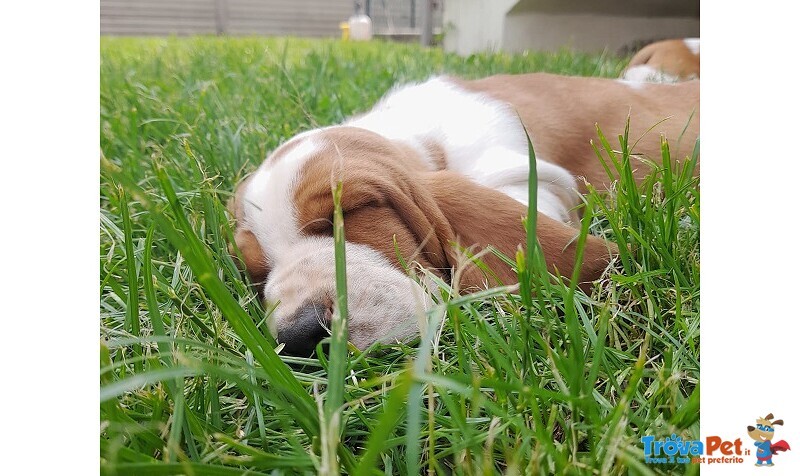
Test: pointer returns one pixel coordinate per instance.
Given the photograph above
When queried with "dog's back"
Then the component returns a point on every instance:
(561, 114)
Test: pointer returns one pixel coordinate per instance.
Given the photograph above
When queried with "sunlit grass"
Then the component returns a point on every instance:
(553, 381)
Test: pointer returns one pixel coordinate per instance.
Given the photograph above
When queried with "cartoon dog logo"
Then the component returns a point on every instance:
(763, 433)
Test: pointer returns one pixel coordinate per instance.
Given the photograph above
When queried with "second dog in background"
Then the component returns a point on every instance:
(666, 61)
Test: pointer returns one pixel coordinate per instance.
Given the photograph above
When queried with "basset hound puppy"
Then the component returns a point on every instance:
(435, 168)
(666, 61)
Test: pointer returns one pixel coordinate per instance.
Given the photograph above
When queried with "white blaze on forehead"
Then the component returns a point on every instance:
(693, 44)
(268, 204)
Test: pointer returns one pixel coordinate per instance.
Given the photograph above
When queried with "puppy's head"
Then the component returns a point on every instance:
(395, 210)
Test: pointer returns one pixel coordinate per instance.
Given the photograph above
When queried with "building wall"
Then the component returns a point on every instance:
(314, 18)
(144, 17)
(590, 32)
(236, 17)
(396, 15)
(588, 25)
(474, 25)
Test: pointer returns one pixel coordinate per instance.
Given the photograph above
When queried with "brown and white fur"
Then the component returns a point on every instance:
(666, 61)
(431, 166)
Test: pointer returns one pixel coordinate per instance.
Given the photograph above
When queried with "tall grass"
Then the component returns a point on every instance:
(553, 381)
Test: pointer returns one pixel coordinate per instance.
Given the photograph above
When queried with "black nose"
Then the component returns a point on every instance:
(751, 428)
(305, 329)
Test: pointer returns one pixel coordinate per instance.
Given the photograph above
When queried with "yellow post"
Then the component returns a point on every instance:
(345, 27)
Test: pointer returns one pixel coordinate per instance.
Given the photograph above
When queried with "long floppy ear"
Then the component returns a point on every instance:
(778, 422)
(422, 215)
(252, 259)
(480, 216)
(642, 56)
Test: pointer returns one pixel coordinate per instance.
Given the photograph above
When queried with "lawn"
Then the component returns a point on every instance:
(556, 381)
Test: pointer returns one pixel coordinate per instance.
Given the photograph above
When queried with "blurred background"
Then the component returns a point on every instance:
(461, 26)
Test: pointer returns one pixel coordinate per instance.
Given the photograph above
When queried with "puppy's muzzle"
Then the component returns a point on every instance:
(309, 325)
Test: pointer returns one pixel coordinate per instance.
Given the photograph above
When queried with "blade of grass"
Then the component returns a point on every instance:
(338, 356)
(150, 296)
(132, 305)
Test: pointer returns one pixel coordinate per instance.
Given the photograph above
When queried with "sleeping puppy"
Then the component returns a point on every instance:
(435, 168)
(666, 61)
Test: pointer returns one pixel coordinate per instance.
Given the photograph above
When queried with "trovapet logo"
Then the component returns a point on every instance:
(674, 449)
(715, 449)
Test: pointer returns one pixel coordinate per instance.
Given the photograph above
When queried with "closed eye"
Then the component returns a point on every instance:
(324, 226)
(320, 226)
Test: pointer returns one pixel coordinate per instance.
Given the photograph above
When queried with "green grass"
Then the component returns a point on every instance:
(553, 381)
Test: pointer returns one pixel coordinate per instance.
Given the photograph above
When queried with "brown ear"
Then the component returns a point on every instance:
(642, 56)
(768, 417)
(559, 245)
(252, 260)
(480, 216)
(777, 422)
(421, 215)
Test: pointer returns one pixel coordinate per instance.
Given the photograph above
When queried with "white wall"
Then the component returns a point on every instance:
(588, 25)
(474, 25)
(590, 32)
